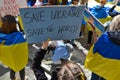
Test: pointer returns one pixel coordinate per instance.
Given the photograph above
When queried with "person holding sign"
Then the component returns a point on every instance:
(66, 70)
(97, 11)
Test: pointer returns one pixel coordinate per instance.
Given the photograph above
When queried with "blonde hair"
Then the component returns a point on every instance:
(71, 71)
(115, 24)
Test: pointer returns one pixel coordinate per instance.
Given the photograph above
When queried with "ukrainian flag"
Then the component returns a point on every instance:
(13, 50)
(20, 22)
(104, 58)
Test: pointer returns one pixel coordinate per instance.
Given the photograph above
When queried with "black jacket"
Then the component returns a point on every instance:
(114, 36)
(113, 13)
(36, 66)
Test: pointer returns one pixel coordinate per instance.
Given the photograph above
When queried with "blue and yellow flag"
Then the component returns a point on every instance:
(13, 50)
(104, 58)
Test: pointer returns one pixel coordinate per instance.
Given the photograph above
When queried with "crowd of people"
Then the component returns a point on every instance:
(62, 67)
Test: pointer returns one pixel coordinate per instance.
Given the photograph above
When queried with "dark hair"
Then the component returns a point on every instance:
(8, 24)
(8, 19)
(64, 2)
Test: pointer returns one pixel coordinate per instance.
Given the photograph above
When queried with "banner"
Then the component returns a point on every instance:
(97, 23)
(54, 22)
(11, 6)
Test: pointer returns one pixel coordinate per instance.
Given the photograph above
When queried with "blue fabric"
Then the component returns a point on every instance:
(96, 77)
(118, 4)
(45, 1)
(104, 46)
(31, 2)
(99, 12)
(13, 38)
(109, 0)
(60, 52)
(83, 21)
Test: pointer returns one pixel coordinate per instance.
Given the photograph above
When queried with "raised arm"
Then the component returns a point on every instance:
(36, 66)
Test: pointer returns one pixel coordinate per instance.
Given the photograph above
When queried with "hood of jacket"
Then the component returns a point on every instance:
(114, 36)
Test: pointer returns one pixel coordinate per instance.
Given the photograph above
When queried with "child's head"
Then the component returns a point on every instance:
(71, 71)
(75, 2)
(102, 2)
(8, 24)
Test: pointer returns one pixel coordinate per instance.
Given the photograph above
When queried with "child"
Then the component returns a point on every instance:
(10, 35)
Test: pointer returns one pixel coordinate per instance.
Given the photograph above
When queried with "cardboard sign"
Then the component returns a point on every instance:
(97, 23)
(11, 6)
(54, 22)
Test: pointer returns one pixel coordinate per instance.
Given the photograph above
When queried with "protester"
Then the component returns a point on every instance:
(106, 50)
(97, 11)
(60, 53)
(9, 29)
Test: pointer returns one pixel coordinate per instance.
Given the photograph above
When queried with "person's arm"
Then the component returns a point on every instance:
(36, 66)
(113, 13)
(95, 36)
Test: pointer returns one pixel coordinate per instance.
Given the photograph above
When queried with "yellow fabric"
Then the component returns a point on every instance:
(90, 28)
(102, 20)
(104, 67)
(97, 0)
(59, 1)
(20, 22)
(14, 56)
(82, 76)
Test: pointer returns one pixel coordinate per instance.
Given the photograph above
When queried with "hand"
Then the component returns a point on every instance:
(45, 44)
(91, 20)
